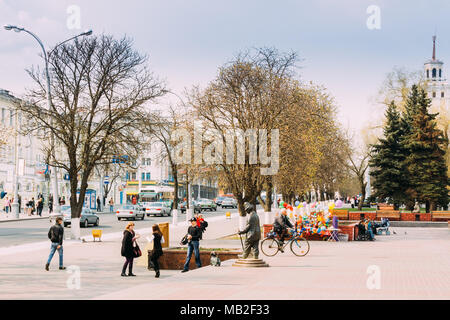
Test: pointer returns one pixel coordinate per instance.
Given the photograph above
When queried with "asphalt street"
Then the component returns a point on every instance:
(29, 231)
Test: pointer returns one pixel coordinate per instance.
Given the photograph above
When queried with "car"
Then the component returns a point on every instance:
(206, 204)
(229, 203)
(55, 215)
(219, 200)
(158, 208)
(87, 217)
(183, 206)
(130, 211)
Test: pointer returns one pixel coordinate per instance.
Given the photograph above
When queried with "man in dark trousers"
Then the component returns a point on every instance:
(56, 236)
(98, 204)
(253, 231)
(194, 234)
(40, 206)
(281, 225)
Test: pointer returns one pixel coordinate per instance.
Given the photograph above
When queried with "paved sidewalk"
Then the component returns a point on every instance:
(7, 217)
(22, 274)
(414, 264)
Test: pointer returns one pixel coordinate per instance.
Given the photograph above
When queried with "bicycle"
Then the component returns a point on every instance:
(298, 245)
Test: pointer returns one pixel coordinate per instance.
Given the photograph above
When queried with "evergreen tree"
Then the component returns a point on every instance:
(388, 161)
(411, 107)
(425, 162)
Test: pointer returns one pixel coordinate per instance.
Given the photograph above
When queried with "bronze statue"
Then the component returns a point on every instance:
(253, 231)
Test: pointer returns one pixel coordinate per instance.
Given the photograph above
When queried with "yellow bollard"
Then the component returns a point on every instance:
(97, 234)
(228, 214)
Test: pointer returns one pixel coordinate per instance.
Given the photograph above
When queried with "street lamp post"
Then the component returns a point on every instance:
(56, 206)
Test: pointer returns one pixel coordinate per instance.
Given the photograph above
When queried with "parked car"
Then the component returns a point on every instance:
(219, 200)
(158, 208)
(183, 206)
(229, 203)
(206, 204)
(55, 215)
(87, 217)
(130, 211)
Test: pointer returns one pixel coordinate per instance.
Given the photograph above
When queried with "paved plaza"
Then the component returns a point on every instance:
(414, 263)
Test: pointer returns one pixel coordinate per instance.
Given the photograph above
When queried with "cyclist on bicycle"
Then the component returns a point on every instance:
(281, 225)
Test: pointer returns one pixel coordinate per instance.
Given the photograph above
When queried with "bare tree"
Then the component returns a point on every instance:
(250, 92)
(99, 87)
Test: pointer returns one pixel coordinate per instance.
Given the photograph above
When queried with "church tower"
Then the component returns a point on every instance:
(438, 90)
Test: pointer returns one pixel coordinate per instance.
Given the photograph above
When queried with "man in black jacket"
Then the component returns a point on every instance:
(253, 231)
(280, 226)
(194, 235)
(56, 236)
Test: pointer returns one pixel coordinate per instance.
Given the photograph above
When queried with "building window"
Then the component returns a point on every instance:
(10, 117)
(133, 176)
(143, 176)
(442, 94)
(148, 176)
(146, 161)
(440, 73)
(433, 73)
(434, 94)
(428, 73)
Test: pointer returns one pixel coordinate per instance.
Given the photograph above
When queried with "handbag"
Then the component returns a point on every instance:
(137, 251)
(184, 240)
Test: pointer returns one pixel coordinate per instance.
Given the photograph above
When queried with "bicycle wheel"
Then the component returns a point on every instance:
(269, 247)
(300, 247)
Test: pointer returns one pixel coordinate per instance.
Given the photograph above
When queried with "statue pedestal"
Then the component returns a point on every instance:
(250, 263)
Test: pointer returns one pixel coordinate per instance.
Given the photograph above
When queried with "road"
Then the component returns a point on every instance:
(28, 231)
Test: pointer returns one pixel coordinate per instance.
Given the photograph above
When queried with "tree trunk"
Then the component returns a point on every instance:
(427, 206)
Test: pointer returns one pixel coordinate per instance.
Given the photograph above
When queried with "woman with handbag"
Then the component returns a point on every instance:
(157, 249)
(130, 249)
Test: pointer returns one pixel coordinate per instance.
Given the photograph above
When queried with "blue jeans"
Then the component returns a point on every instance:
(111, 208)
(370, 233)
(193, 246)
(52, 252)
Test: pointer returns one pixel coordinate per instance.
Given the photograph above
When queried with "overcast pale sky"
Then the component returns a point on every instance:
(187, 40)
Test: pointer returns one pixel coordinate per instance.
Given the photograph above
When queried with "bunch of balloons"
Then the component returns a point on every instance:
(286, 206)
(314, 223)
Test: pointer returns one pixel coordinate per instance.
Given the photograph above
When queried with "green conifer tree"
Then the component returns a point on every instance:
(425, 162)
(388, 161)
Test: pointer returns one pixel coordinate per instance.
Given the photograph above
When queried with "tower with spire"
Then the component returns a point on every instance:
(437, 85)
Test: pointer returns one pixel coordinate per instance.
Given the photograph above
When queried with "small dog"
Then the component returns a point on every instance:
(215, 260)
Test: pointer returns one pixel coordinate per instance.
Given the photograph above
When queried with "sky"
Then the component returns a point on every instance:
(187, 41)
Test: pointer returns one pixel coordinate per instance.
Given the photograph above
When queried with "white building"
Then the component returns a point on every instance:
(31, 169)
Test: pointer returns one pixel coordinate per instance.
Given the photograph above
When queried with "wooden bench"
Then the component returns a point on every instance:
(390, 214)
(441, 215)
(385, 206)
(341, 214)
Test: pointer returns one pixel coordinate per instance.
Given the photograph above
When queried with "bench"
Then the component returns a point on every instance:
(390, 214)
(341, 214)
(441, 215)
(385, 207)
